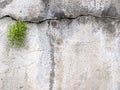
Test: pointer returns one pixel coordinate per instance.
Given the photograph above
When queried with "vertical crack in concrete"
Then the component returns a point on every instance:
(52, 72)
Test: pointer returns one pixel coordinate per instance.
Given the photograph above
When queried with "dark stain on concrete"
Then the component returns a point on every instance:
(111, 11)
(54, 23)
(109, 29)
(59, 41)
(20, 87)
(59, 15)
(5, 3)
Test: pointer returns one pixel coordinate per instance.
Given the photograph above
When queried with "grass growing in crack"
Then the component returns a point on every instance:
(16, 34)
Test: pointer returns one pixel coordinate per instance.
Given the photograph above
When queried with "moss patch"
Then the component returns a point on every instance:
(16, 34)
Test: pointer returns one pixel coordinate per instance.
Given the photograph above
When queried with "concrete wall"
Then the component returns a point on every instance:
(70, 45)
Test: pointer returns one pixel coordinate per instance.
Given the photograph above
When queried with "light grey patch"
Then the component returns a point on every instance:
(84, 10)
(111, 11)
(39, 18)
(119, 50)
(118, 86)
(4, 3)
(46, 7)
(82, 20)
(46, 2)
(35, 19)
(77, 10)
(68, 22)
(85, 20)
(77, 48)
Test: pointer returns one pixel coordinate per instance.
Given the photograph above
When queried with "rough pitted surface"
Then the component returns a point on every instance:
(75, 47)
(38, 10)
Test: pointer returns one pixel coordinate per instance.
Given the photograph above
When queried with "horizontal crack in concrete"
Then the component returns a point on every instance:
(69, 18)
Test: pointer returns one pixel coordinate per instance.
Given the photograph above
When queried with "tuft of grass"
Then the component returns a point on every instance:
(16, 34)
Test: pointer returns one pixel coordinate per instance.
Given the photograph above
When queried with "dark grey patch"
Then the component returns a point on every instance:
(71, 16)
(98, 20)
(54, 23)
(109, 29)
(59, 41)
(59, 15)
(20, 87)
(111, 11)
(20, 11)
(4, 3)
(105, 20)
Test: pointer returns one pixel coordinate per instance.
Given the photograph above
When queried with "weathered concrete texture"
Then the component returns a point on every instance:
(64, 54)
(24, 9)
(86, 54)
(79, 54)
(38, 10)
(25, 68)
